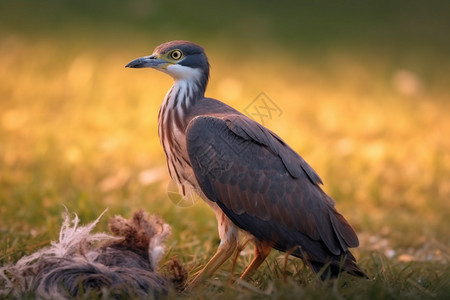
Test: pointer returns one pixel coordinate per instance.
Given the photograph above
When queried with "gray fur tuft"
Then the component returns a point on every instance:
(82, 262)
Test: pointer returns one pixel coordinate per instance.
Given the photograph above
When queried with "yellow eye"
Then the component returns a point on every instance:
(176, 54)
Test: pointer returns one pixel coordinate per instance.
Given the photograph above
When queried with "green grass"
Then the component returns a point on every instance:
(77, 129)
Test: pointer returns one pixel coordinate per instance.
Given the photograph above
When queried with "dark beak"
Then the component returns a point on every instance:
(151, 61)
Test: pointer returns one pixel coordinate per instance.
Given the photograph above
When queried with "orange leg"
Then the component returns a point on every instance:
(229, 243)
(240, 247)
(224, 251)
(262, 250)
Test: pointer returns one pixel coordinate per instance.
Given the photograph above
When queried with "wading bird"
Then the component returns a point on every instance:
(248, 175)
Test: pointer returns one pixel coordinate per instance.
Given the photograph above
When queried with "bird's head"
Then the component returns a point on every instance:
(183, 60)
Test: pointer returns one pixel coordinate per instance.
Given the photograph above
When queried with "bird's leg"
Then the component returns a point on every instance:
(224, 251)
(262, 250)
(228, 244)
(239, 249)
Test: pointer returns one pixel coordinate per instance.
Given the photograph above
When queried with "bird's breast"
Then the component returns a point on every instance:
(173, 141)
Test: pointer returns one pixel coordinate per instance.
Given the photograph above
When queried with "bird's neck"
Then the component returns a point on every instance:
(183, 93)
(177, 104)
(182, 96)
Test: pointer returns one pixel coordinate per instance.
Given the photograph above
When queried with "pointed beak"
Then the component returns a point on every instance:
(151, 61)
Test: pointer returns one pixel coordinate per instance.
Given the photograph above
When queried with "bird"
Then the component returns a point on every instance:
(255, 183)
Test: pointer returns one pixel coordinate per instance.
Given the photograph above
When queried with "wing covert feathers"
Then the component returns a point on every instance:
(267, 189)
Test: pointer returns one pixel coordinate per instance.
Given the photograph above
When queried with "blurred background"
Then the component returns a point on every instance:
(363, 86)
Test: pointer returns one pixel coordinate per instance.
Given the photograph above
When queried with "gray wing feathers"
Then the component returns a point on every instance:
(294, 163)
(256, 178)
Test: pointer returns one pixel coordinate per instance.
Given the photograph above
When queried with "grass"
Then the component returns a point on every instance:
(77, 129)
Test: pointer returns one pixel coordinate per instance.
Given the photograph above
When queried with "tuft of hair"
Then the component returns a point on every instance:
(81, 262)
(142, 234)
(177, 274)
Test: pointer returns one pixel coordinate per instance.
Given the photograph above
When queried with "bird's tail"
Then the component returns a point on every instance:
(345, 263)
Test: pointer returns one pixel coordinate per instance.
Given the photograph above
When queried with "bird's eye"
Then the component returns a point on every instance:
(176, 54)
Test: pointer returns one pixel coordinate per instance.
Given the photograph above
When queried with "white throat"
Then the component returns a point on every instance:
(179, 72)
